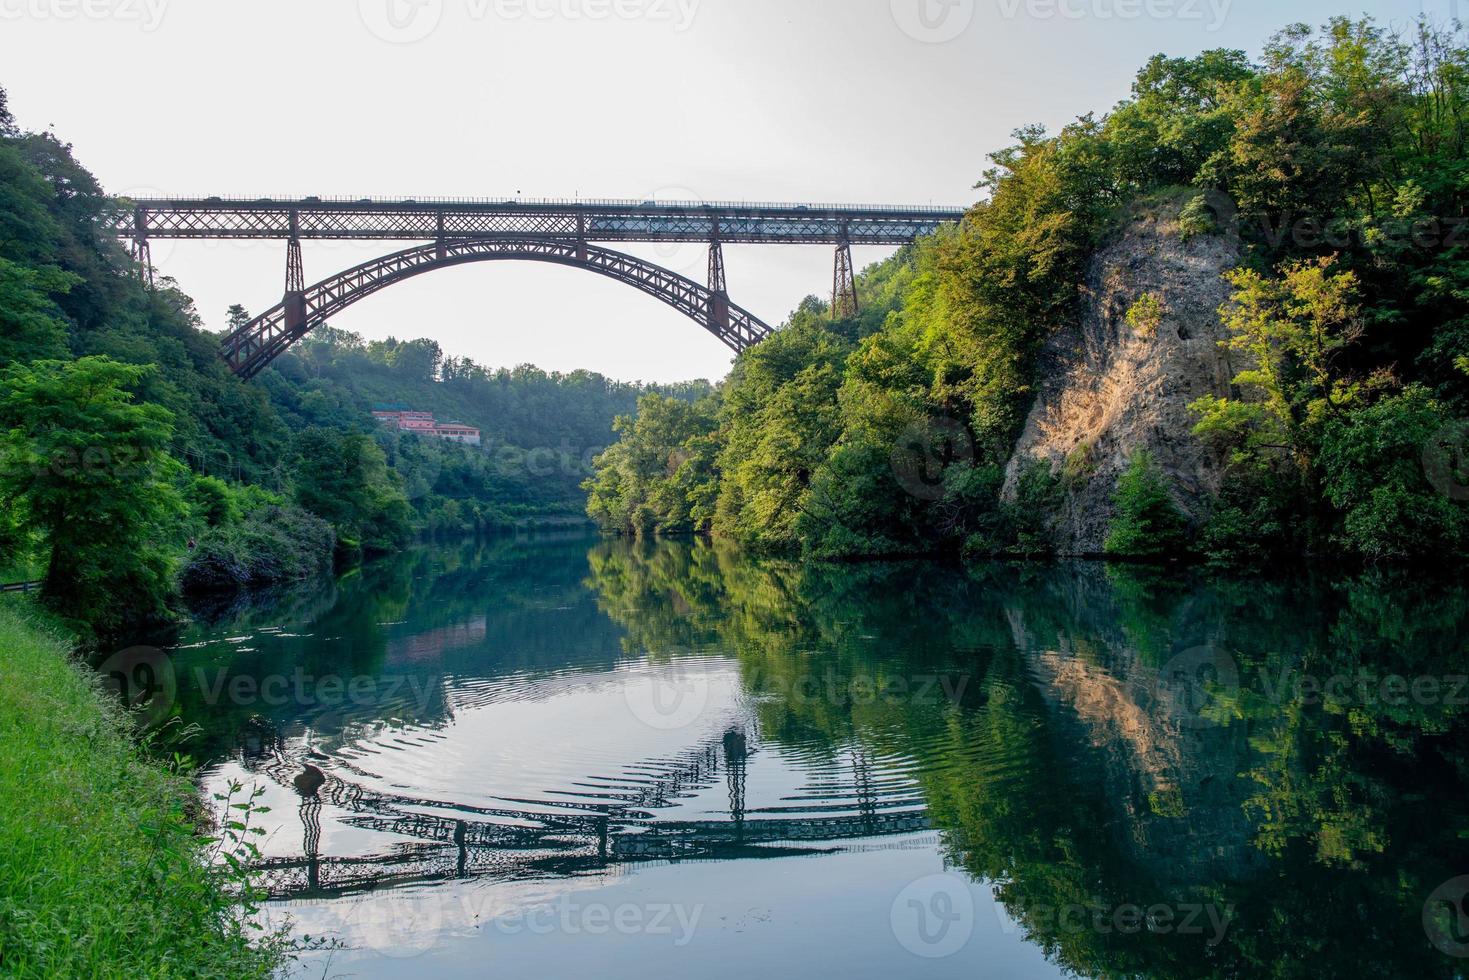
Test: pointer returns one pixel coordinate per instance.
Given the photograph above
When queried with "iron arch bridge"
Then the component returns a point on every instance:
(249, 349)
(561, 232)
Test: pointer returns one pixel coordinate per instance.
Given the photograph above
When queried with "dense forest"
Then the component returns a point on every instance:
(133, 464)
(1337, 159)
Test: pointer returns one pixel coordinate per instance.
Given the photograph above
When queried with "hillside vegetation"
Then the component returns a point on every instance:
(1336, 163)
(132, 461)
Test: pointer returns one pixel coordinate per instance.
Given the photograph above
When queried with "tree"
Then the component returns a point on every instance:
(30, 322)
(1373, 474)
(90, 469)
(343, 477)
(238, 317)
(1291, 332)
(1147, 523)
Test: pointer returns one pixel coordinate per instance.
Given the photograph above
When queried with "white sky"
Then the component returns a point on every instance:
(776, 100)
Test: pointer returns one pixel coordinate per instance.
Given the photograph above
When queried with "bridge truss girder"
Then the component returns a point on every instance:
(249, 349)
(609, 221)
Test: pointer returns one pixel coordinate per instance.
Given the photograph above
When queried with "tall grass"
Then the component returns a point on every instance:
(101, 860)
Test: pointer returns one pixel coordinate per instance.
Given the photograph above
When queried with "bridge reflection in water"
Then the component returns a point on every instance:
(605, 821)
(1042, 725)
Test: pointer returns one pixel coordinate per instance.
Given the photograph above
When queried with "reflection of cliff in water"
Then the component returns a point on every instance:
(1072, 772)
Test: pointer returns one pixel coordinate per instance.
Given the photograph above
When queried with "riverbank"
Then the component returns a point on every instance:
(100, 856)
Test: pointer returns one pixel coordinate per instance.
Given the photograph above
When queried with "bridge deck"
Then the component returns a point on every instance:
(601, 220)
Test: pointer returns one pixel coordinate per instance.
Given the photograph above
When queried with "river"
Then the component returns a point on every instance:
(574, 757)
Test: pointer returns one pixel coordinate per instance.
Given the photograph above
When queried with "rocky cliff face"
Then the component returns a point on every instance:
(1108, 387)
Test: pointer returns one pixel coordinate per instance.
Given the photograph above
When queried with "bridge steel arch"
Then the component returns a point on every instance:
(250, 348)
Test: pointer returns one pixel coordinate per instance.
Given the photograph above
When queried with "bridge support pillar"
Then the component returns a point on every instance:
(843, 285)
(717, 281)
(141, 252)
(294, 304)
(295, 272)
(143, 256)
(718, 287)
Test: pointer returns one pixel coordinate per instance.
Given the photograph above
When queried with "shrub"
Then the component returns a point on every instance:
(1146, 315)
(1258, 515)
(1147, 523)
(274, 544)
(103, 869)
(1080, 465)
(1197, 218)
(1372, 462)
(1027, 524)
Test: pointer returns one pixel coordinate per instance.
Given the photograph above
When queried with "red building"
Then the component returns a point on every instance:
(424, 424)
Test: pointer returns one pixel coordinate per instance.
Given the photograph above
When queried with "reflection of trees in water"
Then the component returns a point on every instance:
(1064, 776)
(1051, 762)
(404, 625)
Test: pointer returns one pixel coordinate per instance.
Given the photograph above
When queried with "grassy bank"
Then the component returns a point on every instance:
(100, 871)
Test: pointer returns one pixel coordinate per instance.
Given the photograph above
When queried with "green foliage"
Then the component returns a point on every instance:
(1146, 315)
(343, 477)
(779, 418)
(89, 467)
(30, 323)
(1259, 516)
(1146, 522)
(212, 501)
(1080, 465)
(1373, 473)
(540, 429)
(1197, 218)
(68, 289)
(99, 847)
(1291, 333)
(270, 546)
(660, 476)
(1320, 157)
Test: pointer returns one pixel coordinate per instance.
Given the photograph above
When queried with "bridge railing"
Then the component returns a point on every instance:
(288, 201)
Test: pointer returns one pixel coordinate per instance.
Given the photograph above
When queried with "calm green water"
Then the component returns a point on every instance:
(577, 757)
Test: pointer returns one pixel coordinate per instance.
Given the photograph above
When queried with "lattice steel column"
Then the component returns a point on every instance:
(718, 286)
(295, 274)
(143, 256)
(717, 281)
(843, 285)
